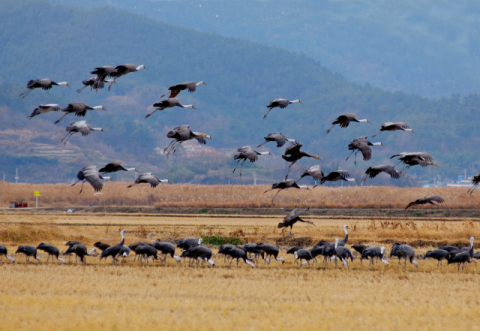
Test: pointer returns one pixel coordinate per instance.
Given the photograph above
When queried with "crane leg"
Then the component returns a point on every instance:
(376, 134)
(81, 89)
(241, 167)
(349, 155)
(288, 171)
(148, 115)
(328, 131)
(236, 166)
(61, 118)
(24, 94)
(265, 116)
(355, 162)
(82, 187)
(110, 86)
(275, 196)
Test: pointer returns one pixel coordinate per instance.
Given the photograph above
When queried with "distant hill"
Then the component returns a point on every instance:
(40, 39)
(425, 47)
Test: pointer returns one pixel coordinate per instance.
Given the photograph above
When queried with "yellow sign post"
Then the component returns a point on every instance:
(36, 194)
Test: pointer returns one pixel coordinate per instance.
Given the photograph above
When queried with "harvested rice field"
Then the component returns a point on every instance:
(275, 296)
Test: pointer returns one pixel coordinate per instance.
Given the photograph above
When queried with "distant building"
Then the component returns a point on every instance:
(462, 181)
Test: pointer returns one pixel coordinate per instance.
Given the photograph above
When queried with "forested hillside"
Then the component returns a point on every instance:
(426, 47)
(40, 40)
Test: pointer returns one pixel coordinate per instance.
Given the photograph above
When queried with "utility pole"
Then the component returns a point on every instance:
(16, 176)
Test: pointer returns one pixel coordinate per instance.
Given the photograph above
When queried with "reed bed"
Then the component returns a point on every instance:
(248, 196)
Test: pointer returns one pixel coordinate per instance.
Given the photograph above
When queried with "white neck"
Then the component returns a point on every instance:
(264, 153)
(292, 140)
(61, 260)
(163, 180)
(280, 259)
(11, 259)
(336, 242)
(63, 83)
(200, 241)
(351, 180)
(200, 83)
(140, 67)
(296, 255)
(121, 232)
(408, 130)
(177, 258)
(363, 121)
(304, 262)
(93, 250)
(471, 241)
(345, 230)
(98, 107)
(377, 144)
(294, 101)
(131, 169)
(210, 261)
(250, 263)
(382, 249)
(39, 259)
(303, 187)
(188, 106)
(96, 129)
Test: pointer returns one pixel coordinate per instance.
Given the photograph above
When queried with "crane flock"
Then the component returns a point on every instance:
(180, 134)
(250, 253)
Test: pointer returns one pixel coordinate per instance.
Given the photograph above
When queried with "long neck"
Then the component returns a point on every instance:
(96, 129)
(187, 106)
(336, 242)
(363, 121)
(123, 238)
(98, 107)
(131, 169)
(63, 83)
(292, 140)
(346, 234)
(263, 153)
(377, 144)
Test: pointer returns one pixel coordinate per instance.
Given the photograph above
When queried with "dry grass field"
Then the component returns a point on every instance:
(186, 195)
(130, 296)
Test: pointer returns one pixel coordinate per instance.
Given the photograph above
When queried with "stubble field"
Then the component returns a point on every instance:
(131, 296)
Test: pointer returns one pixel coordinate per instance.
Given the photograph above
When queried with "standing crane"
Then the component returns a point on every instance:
(77, 108)
(361, 144)
(181, 134)
(303, 254)
(463, 257)
(277, 137)
(52, 252)
(343, 253)
(42, 109)
(390, 126)
(344, 121)
(373, 252)
(281, 103)
(168, 103)
(404, 251)
(44, 84)
(80, 251)
(438, 254)
(176, 89)
(114, 250)
(292, 218)
(293, 154)
(285, 184)
(246, 153)
(80, 126)
(28, 251)
(4, 251)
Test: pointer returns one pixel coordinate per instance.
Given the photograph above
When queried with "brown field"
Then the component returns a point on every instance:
(133, 297)
(186, 195)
